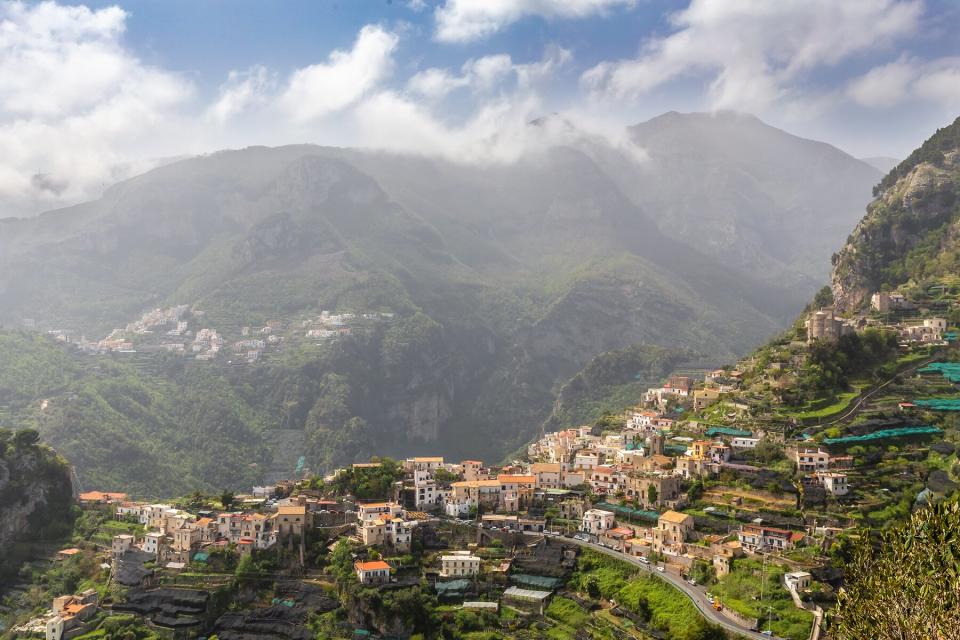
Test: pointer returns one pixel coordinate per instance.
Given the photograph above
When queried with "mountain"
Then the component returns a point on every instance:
(501, 282)
(881, 163)
(748, 194)
(910, 235)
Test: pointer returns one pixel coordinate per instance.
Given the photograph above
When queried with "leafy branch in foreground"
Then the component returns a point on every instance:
(908, 587)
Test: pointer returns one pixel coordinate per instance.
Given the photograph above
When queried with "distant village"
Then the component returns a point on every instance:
(180, 330)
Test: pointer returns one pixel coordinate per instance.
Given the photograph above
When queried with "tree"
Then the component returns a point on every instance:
(25, 438)
(341, 563)
(695, 490)
(905, 586)
(651, 494)
(226, 499)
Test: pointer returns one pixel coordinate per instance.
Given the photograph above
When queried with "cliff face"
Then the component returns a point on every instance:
(35, 493)
(911, 231)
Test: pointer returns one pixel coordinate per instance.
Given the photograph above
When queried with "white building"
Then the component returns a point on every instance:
(373, 572)
(834, 483)
(596, 521)
(152, 542)
(459, 564)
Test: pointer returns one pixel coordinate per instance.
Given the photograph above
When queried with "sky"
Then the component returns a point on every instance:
(93, 93)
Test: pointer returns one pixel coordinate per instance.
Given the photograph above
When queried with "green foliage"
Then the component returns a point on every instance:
(365, 483)
(831, 363)
(907, 584)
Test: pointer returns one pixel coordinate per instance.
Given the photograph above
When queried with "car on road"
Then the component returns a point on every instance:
(692, 582)
(644, 560)
(661, 569)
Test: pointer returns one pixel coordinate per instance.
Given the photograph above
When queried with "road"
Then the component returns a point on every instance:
(697, 595)
(858, 405)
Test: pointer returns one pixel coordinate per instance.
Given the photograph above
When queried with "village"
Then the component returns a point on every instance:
(741, 506)
(184, 331)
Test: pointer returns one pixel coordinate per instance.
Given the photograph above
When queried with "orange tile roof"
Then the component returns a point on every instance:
(292, 510)
(517, 478)
(68, 552)
(373, 565)
(675, 517)
(99, 496)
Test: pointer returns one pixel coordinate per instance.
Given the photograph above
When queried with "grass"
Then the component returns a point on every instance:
(841, 403)
(741, 591)
(670, 610)
(568, 612)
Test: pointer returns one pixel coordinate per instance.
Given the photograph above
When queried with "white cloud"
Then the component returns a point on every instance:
(75, 104)
(322, 89)
(242, 91)
(936, 81)
(488, 73)
(468, 20)
(417, 5)
(755, 52)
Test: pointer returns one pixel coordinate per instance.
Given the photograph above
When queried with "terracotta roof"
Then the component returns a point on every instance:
(517, 478)
(373, 565)
(68, 552)
(292, 510)
(675, 517)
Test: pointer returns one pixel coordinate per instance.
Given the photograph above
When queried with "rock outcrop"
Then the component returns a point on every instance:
(911, 229)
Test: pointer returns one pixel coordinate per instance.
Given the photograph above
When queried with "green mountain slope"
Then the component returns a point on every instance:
(503, 282)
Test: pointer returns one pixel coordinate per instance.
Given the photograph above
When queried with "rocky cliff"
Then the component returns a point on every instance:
(911, 231)
(35, 494)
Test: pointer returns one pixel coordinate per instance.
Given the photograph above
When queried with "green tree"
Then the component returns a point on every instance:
(341, 563)
(651, 494)
(906, 586)
(226, 499)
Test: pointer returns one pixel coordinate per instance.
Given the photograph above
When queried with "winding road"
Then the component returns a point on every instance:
(697, 595)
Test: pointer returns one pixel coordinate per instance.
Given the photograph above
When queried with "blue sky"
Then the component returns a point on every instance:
(93, 92)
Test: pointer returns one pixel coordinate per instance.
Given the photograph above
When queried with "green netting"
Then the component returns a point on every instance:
(544, 583)
(627, 511)
(950, 336)
(884, 434)
(678, 449)
(452, 587)
(949, 370)
(939, 404)
(727, 431)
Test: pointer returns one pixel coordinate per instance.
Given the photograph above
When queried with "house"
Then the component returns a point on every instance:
(673, 529)
(586, 460)
(291, 520)
(378, 511)
(466, 495)
(121, 544)
(153, 542)
(653, 490)
(394, 532)
(834, 482)
(703, 398)
(810, 460)
(457, 564)
(101, 497)
(755, 537)
(616, 538)
(372, 572)
(596, 521)
(604, 479)
(548, 475)
(427, 463)
(797, 580)
(516, 491)
(63, 554)
(472, 470)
